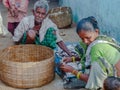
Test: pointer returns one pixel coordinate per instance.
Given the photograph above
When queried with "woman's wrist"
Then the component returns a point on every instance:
(73, 58)
(76, 73)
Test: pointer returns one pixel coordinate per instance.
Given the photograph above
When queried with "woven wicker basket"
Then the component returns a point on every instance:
(61, 16)
(27, 66)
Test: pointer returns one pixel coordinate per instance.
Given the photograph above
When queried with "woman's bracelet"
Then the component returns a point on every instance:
(78, 75)
(73, 59)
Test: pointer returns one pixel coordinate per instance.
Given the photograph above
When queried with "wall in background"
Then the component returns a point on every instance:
(107, 13)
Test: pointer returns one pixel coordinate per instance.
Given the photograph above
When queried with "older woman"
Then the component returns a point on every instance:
(39, 29)
(17, 9)
(102, 55)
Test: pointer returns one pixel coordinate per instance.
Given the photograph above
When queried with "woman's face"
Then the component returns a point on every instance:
(40, 14)
(88, 36)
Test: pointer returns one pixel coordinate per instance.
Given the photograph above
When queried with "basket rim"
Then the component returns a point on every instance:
(13, 46)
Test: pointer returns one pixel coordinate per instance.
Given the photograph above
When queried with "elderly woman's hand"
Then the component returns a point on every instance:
(66, 68)
(31, 34)
(67, 59)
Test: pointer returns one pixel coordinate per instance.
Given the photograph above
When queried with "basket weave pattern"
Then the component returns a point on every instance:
(61, 16)
(27, 66)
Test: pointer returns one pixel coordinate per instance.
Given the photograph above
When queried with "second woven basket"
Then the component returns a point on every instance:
(61, 16)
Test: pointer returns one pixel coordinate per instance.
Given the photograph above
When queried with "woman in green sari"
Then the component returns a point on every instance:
(102, 55)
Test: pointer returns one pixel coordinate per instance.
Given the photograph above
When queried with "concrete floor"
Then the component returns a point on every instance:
(66, 34)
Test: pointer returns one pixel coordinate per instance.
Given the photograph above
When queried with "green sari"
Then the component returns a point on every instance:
(49, 39)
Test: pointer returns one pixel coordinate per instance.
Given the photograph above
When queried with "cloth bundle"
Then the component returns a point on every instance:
(69, 80)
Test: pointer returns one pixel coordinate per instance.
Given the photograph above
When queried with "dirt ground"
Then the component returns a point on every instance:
(68, 35)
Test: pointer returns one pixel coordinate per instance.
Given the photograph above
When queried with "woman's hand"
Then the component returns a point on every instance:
(11, 12)
(36, 27)
(66, 68)
(31, 34)
(67, 59)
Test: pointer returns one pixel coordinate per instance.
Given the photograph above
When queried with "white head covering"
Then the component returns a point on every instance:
(42, 4)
